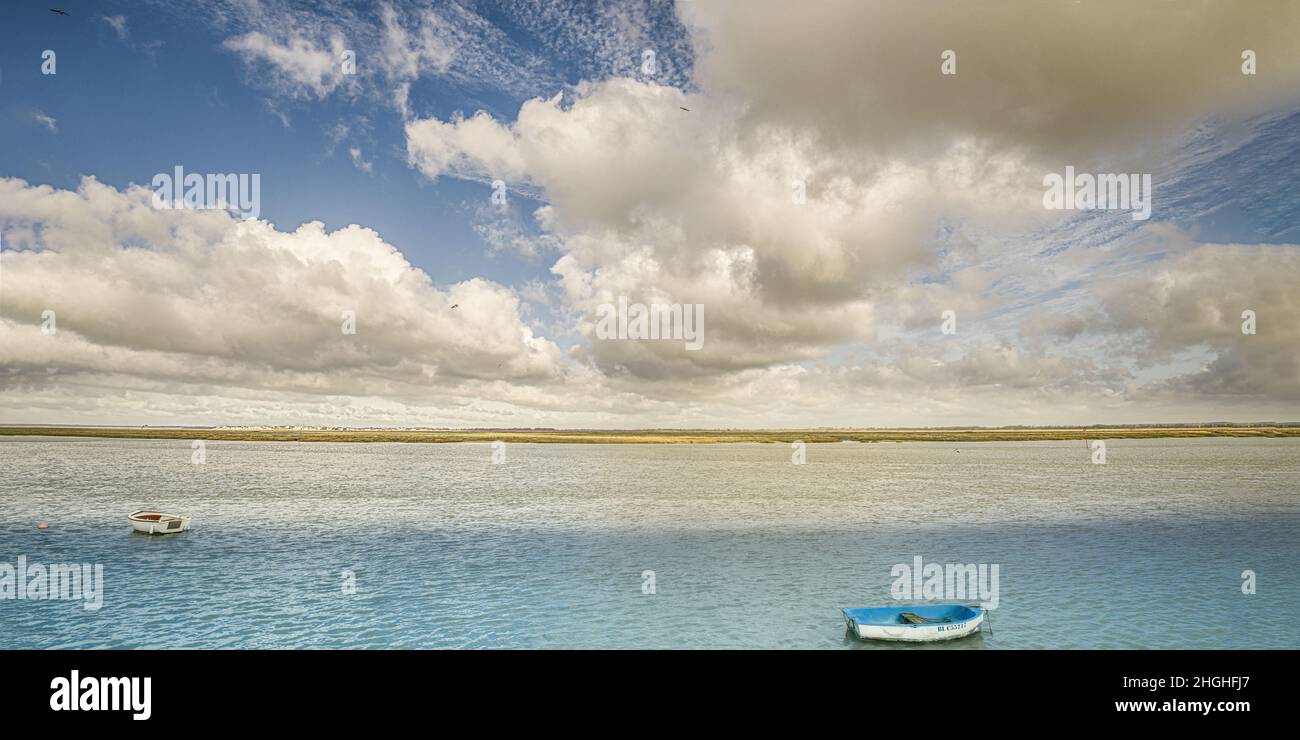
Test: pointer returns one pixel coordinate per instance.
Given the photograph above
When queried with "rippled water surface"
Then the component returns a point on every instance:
(748, 550)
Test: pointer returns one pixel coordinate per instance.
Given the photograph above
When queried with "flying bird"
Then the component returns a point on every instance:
(688, 110)
(454, 305)
(60, 12)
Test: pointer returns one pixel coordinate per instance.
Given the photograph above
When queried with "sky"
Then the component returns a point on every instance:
(450, 193)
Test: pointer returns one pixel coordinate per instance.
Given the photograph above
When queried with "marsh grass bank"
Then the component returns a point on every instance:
(654, 436)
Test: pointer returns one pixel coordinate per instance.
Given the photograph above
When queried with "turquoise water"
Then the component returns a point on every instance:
(548, 549)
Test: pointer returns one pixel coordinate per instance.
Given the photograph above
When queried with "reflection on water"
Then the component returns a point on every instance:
(746, 549)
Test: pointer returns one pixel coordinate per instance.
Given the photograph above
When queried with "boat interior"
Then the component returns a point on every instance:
(152, 516)
(912, 615)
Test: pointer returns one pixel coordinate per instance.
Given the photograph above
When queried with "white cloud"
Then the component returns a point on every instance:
(267, 316)
(215, 320)
(295, 65)
(1060, 82)
(407, 54)
(661, 204)
(359, 162)
(289, 49)
(1196, 299)
(46, 120)
(476, 147)
(118, 24)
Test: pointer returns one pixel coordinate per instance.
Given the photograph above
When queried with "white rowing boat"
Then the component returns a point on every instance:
(920, 623)
(156, 522)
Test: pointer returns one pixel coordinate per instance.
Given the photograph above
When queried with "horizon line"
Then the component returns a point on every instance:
(396, 428)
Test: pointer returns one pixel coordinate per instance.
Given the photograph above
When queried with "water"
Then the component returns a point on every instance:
(748, 550)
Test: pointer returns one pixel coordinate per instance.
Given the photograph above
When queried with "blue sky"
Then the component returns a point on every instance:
(127, 109)
(662, 184)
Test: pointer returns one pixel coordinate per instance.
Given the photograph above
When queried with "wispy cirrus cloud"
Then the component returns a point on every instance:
(354, 153)
(296, 65)
(44, 119)
(119, 25)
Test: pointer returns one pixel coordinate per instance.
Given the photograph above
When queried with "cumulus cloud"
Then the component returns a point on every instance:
(1196, 300)
(163, 314)
(477, 147)
(665, 205)
(171, 314)
(199, 299)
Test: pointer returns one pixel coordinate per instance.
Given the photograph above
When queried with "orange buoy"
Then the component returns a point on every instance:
(42, 525)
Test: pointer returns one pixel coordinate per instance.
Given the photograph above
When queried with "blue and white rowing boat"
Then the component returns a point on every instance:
(918, 623)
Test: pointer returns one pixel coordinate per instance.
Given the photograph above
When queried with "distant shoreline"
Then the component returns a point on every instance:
(656, 436)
